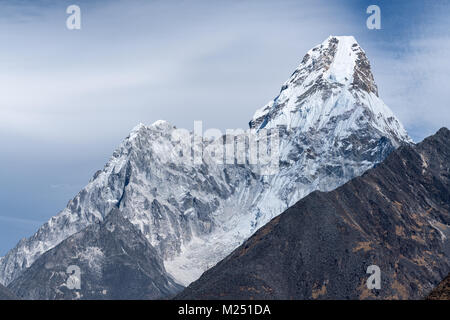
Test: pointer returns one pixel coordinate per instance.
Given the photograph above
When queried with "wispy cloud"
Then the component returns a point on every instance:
(138, 61)
(20, 221)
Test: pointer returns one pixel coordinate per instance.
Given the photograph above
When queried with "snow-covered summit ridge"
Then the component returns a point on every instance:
(159, 125)
(333, 79)
(344, 58)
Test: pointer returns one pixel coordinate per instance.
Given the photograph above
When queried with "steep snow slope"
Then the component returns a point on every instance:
(332, 127)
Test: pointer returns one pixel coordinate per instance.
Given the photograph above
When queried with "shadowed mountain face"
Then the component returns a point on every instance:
(6, 294)
(442, 291)
(395, 216)
(115, 260)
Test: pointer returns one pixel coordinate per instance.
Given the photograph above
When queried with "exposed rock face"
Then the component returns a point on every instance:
(442, 291)
(395, 216)
(332, 127)
(6, 294)
(115, 260)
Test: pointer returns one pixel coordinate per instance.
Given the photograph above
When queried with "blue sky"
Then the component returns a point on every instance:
(68, 98)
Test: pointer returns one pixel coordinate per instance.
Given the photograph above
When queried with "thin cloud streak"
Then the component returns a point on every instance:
(20, 221)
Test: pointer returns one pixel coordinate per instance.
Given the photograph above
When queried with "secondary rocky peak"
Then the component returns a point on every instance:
(157, 126)
(161, 125)
(115, 260)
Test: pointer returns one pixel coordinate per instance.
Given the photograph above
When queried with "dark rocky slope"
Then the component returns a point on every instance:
(395, 216)
(6, 294)
(442, 291)
(116, 262)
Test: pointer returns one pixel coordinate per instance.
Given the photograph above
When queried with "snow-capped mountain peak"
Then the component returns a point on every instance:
(334, 79)
(333, 127)
(346, 61)
(337, 60)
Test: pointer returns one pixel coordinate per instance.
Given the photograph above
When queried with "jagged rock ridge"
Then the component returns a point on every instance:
(332, 125)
